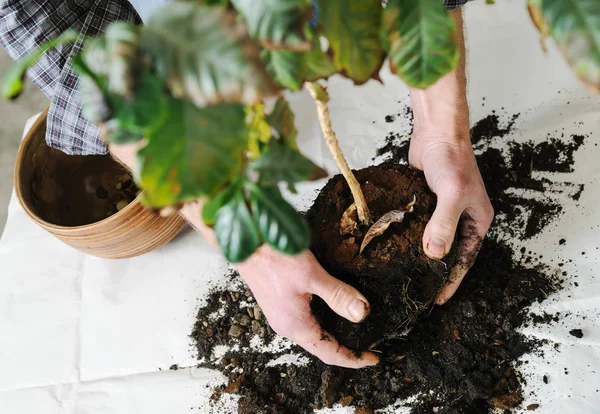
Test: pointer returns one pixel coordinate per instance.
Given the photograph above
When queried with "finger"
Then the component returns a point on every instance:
(439, 233)
(473, 228)
(342, 298)
(325, 347)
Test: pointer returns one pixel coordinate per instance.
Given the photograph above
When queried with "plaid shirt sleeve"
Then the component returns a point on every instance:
(25, 24)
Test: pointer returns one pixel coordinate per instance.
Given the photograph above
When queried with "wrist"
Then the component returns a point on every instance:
(436, 118)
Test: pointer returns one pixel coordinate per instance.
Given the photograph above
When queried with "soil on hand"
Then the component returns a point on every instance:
(393, 272)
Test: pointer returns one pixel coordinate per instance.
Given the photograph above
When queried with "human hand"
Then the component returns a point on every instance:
(283, 287)
(452, 174)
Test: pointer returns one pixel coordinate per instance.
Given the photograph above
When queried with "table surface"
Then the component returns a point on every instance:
(85, 335)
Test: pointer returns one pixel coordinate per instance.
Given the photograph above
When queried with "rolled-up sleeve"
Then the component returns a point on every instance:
(26, 24)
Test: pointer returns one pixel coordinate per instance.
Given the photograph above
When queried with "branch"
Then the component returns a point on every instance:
(364, 215)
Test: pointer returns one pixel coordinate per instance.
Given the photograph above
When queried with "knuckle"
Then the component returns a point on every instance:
(338, 295)
(443, 225)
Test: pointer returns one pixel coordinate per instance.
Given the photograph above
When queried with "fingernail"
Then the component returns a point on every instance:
(437, 247)
(358, 310)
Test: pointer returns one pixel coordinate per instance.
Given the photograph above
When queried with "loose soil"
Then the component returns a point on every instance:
(459, 358)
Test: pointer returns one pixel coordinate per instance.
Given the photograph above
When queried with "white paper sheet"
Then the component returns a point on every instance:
(83, 335)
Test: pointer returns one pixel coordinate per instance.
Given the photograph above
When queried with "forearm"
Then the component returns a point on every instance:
(442, 109)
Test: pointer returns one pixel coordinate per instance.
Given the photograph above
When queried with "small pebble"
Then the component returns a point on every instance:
(256, 327)
(236, 331)
(248, 293)
(243, 320)
(257, 312)
(121, 205)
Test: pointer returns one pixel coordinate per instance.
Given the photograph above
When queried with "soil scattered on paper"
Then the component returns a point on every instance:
(459, 358)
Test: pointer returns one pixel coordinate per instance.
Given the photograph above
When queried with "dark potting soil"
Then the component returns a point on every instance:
(459, 358)
(393, 271)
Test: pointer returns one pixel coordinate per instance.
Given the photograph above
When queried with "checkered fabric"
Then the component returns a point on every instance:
(25, 24)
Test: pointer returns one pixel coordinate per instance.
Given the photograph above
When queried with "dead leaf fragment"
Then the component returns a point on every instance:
(394, 216)
(349, 223)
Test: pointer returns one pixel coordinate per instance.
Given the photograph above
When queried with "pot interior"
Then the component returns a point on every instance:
(68, 190)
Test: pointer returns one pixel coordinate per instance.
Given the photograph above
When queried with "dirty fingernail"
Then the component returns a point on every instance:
(358, 310)
(437, 247)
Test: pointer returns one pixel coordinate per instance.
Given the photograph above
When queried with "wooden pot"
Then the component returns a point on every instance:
(59, 193)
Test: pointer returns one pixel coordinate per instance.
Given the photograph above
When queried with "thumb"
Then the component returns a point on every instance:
(440, 231)
(342, 298)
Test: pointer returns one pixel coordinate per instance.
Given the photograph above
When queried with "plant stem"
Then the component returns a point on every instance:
(364, 215)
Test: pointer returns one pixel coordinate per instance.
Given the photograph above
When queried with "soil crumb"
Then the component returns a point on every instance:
(577, 333)
(461, 358)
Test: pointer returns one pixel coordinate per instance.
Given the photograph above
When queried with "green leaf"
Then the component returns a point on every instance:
(235, 229)
(281, 163)
(96, 107)
(278, 24)
(288, 68)
(282, 120)
(352, 29)
(122, 47)
(193, 153)
(149, 109)
(125, 120)
(422, 37)
(12, 81)
(205, 54)
(575, 25)
(292, 69)
(212, 206)
(279, 223)
(318, 64)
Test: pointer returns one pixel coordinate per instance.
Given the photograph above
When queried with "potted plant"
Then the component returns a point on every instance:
(192, 86)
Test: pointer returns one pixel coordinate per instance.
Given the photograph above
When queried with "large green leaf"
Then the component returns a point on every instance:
(422, 41)
(212, 205)
(353, 31)
(282, 120)
(12, 80)
(125, 119)
(575, 25)
(281, 163)
(122, 47)
(278, 24)
(193, 153)
(287, 68)
(279, 223)
(292, 69)
(235, 229)
(318, 64)
(205, 54)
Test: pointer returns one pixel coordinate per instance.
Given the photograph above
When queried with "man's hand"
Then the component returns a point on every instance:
(441, 148)
(452, 174)
(284, 285)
